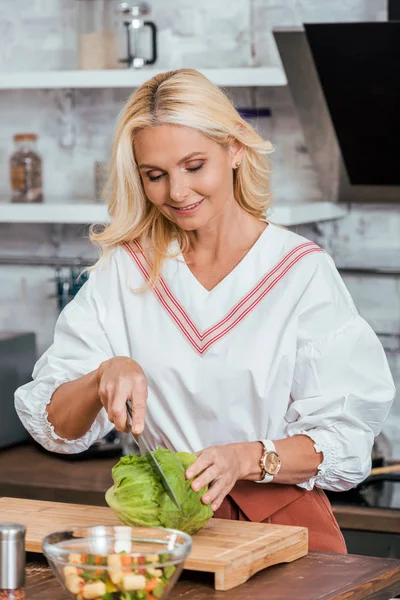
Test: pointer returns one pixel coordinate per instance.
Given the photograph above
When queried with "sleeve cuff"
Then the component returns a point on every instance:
(323, 442)
(43, 417)
(40, 428)
(48, 429)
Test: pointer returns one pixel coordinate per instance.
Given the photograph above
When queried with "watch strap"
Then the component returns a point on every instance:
(269, 446)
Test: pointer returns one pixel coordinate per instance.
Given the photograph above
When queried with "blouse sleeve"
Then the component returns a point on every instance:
(80, 345)
(342, 387)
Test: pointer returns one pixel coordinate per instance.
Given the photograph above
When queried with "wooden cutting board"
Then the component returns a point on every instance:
(232, 550)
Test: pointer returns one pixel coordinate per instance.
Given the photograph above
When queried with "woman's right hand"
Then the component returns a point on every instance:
(120, 379)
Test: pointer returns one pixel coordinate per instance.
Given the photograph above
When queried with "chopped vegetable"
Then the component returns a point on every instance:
(96, 589)
(169, 571)
(154, 572)
(69, 570)
(126, 561)
(124, 578)
(153, 583)
(114, 560)
(159, 590)
(74, 583)
(134, 582)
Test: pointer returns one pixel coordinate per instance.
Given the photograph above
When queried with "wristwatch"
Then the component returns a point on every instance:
(270, 463)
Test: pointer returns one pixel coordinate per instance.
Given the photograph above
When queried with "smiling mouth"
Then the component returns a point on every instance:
(187, 208)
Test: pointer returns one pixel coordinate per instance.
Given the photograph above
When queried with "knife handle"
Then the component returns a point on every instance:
(129, 419)
(129, 411)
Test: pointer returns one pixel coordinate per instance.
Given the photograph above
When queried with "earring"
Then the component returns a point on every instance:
(237, 165)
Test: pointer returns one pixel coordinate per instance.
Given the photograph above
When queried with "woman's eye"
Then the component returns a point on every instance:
(194, 169)
(158, 177)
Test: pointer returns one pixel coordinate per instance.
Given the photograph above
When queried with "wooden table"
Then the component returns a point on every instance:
(28, 472)
(318, 576)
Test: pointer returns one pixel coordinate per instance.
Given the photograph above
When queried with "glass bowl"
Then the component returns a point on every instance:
(117, 563)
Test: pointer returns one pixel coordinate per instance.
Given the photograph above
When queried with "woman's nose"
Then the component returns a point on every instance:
(179, 191)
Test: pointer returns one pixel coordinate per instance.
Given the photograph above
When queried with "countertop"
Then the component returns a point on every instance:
(318, 576)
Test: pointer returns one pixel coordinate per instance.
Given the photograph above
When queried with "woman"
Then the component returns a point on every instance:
(234, 338)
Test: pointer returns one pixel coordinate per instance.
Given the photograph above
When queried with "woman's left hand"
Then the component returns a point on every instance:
(219, 465)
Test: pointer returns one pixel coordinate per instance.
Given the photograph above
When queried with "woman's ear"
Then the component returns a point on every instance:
(236, 150)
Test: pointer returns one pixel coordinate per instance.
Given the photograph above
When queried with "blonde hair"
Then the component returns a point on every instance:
(183, 97)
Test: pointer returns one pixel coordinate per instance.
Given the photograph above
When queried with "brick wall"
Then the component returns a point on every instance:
(42, 35)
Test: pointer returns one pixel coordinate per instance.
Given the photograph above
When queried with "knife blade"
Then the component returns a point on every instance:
(154, 462)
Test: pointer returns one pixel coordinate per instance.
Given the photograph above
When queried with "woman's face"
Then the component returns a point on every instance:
(187, 176)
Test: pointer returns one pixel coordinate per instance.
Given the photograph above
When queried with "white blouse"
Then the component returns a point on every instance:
(276, 349)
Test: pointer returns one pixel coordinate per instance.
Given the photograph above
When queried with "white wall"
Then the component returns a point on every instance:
(41, 35)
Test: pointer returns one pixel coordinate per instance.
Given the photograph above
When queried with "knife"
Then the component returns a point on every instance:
(152, 459)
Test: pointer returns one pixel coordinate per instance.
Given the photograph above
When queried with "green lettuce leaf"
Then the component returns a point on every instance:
(138, 497)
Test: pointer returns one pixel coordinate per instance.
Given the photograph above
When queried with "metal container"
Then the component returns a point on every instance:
(12, 556)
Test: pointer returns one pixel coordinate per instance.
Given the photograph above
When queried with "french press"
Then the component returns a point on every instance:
(132, 19)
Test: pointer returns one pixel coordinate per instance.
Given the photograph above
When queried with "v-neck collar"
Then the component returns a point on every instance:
(192, 279)
(202, 340)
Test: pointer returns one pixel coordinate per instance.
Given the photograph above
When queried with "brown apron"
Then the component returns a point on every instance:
(286, 505)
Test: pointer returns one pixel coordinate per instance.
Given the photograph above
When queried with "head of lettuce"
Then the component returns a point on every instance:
(138, 497)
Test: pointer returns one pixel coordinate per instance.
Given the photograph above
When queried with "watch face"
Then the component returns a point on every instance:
(272, 463)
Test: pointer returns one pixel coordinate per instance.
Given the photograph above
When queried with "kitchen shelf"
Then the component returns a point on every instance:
(80, 213)
(306, 212)
(130, 78)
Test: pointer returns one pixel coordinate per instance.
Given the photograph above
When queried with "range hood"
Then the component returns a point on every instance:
(345, 83)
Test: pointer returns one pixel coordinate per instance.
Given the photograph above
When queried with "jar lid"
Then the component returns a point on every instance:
(10, 532)
(137, 10)
(21, 137)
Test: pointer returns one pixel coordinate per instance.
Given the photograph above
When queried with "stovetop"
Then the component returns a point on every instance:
(380, 494)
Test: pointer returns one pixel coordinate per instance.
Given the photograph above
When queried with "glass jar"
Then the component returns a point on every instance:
(96, 35)
(26, 170)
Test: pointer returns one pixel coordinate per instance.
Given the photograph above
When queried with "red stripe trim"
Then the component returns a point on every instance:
(139, 257)
(237, 307)
(178, 306)
(160, 297)
(179, 323)
(258, 299)
(255, 290)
